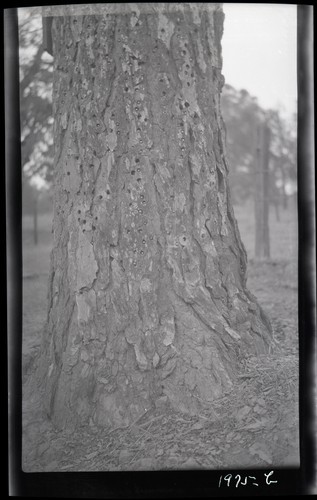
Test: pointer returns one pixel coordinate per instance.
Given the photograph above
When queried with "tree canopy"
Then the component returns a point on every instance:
(242, 115)
(35, 100)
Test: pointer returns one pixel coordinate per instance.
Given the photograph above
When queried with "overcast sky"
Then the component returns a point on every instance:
(259, 52)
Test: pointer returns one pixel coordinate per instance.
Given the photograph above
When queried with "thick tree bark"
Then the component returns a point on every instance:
(148, 273)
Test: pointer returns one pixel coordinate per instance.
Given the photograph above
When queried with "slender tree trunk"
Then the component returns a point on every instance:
(277, 210)
(148, 273)
(261, 194)
(35, 212)
(284, 195)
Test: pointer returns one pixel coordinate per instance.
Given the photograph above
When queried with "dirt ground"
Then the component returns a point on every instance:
(256, 424)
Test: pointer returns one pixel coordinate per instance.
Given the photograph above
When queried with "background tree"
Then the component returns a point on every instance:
(242, 115)
(147, 290)
(283, 154)
(269, 182)
(36, 115)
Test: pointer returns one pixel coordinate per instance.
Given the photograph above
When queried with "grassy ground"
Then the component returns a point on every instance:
(256, 424)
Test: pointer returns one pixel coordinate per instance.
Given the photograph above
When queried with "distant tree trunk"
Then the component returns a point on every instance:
(284, 195)
(274, 197)
(148, 273)
(277, 211)
(35, 211)
(261, 194)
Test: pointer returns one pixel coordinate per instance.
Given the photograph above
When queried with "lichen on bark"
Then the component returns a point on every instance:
(148, 286)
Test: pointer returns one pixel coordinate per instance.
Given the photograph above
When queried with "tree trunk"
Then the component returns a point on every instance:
(261, 194)
(277, 210)
(148, 273)
(35, 212)
(284, 195)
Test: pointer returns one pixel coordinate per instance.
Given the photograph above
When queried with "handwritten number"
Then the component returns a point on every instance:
(239, 479)
(228, 479)
(267, 477)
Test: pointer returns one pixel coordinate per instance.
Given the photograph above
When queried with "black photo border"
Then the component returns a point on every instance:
(161, 484)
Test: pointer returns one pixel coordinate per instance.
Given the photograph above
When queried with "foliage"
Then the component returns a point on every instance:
(283, 155)
(35, 198)
(35, 101)
(242, 115)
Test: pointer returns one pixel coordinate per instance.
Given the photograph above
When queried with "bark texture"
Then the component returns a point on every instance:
(148, 273)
